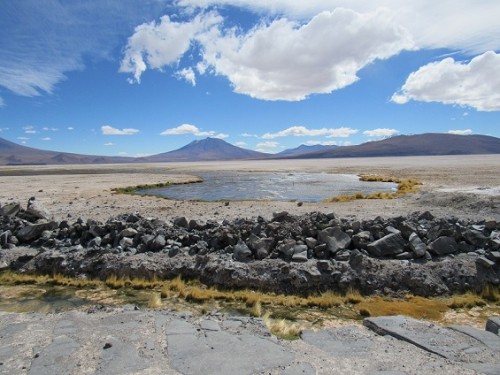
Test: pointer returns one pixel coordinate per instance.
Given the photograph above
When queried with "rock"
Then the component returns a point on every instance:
(299, 204)
(389, 245)
(362, 239)
(417, 245)
(158, 243)
(95, 242)
(287, 248)
(11, 209)
(241, 252)
(311, 242)
(36, 210)
(128, 232)
(181, 222)
(493, 325)
(34, 231)
(485, 262)
(475, 237)
(334, 239)
(299, 253)
(443, 246)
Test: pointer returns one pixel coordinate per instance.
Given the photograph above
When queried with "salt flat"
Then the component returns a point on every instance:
(453, 185)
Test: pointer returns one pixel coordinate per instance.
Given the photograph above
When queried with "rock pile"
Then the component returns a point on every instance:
(310, 253)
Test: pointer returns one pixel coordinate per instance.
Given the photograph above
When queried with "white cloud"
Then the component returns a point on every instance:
(2, 102)
(381, 132)
(286, 60)
(188, 75)
(157, 45)
(46, 129)
(54, 37)
(453, 24)
(302, 131)
(109, 144)
(194, 130)
(248, 135)
(267, 144)
(109, 130)
(475, 84)
(70, 128)
(460, 132)
(46, 139)
(3, 129)
(240, 144)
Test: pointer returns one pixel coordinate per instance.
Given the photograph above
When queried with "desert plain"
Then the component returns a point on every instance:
(463, 186)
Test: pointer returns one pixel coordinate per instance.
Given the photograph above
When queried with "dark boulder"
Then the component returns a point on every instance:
(389, 245)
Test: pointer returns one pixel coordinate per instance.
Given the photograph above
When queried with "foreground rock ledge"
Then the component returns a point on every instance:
(312, 253)
(130, 341)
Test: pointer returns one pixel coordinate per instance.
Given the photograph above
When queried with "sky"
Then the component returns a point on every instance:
(141, 77)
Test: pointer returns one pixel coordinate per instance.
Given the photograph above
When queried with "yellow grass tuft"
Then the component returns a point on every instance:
(325, 300)
(154, 300)
(256, 310)
(468, 300)
(414, 306)
(491, 293)
(282, 328)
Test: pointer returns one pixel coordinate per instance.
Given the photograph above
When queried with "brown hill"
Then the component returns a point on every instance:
(206, 149)
(416, 145)
(14, 154)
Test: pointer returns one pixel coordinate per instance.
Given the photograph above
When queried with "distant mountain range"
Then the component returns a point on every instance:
(416, 145)
(205, 150)
(14, 154)
(217, 149)
(305, 149)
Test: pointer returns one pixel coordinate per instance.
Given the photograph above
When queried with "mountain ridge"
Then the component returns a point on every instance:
(213, 149)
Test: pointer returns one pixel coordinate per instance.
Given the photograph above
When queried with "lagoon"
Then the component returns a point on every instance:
(262, 186)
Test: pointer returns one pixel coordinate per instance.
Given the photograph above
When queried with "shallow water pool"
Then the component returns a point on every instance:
(306, 187)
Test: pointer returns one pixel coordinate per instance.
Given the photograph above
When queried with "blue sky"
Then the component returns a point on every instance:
(141, 77)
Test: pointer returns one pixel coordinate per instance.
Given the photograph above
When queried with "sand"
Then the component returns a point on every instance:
(463, 186)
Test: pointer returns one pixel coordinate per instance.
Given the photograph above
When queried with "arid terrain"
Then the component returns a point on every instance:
(463, 186)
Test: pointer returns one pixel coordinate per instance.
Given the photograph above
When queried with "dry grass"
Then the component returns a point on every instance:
(491, 293)
(405, 186)
(416, 307)
(256, 310)
(154, 300)
(282, 328)
(468, 300)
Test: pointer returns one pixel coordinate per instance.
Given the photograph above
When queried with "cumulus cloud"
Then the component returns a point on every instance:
(109, 130)
(475, 84)
(248, 135)
(460, 132)
(381, 132)
(46, 139)
(302, 131)
(157, 45)
(194, 130)
(188, 75)
(240, 144)
(70, 128)
(289, 61)
(441, 28)
(267, 144)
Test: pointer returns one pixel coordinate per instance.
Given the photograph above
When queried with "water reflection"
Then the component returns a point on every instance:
(307, 187)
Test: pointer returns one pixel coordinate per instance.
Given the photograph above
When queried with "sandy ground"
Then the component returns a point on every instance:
(463, 186)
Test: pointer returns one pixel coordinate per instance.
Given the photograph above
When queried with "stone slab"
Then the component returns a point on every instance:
(344, 340)
(493, 325)
(192, 352)
(444, 342)
(489, 339)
